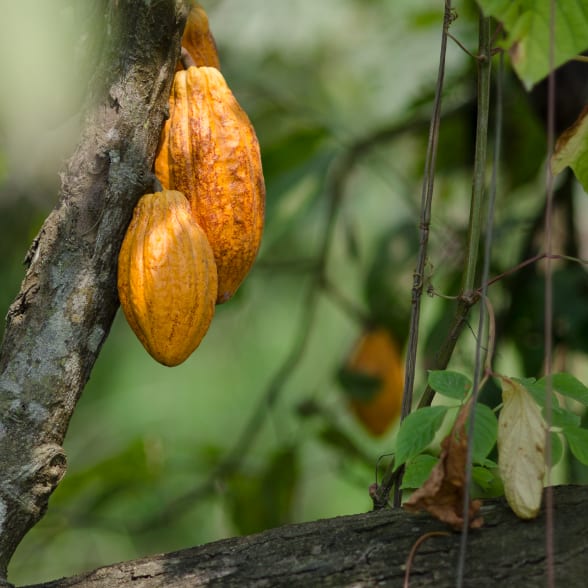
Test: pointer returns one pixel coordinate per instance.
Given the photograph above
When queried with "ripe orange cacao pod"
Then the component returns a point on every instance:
(209, 152)
(374, 379)
(167, 281)
(198, 40)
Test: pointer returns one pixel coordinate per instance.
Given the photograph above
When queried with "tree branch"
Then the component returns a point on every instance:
(68, 300)
(369, 550)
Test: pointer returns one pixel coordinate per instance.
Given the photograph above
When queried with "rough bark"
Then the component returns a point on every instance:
(68, 299)
(370, 550)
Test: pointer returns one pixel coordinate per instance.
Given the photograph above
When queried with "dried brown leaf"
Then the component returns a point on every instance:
(442, 495)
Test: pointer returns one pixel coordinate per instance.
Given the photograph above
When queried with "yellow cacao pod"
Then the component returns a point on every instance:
(198, 40)
(209, 152)
(377, 357)
(167, 281)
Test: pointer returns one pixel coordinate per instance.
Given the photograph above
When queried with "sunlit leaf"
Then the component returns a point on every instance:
(527, 26)
(450, 384)
(521, 449)
(417, 432)
(571, 150)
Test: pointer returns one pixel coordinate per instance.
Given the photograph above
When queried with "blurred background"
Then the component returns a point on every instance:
(260, 427)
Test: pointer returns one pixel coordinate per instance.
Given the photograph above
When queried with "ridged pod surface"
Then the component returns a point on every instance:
(167, 282)
(209, 151)
(377, 355)
(198, 40)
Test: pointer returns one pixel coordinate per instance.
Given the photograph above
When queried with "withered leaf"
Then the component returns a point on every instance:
(521, 449)
(571, 150)
(442, 495)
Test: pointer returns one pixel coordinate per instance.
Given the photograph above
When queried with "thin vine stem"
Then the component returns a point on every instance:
(469, 295)
(548, 310)
(478, 366)
(390, 478)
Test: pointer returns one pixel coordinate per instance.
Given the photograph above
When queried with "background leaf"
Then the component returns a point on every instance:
(265, 500)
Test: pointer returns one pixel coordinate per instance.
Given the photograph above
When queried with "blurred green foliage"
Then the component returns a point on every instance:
(160, 458)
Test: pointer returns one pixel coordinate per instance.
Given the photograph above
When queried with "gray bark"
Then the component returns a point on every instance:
(68, 299)
(371, 550)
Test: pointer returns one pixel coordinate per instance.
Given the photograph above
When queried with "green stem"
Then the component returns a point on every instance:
(479, 183)
(469, 296)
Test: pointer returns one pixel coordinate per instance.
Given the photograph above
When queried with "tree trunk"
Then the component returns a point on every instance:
(371, 550)
(68, 298)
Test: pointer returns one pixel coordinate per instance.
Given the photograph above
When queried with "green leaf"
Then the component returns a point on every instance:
(485, 431)
(527, 25)
(489, 483)
(569, 386)
(450, 384)
(561, 417)
(418, 470)
(417, 431)
(572, 150)
(482, 476)
(577, 439)
(556, 448)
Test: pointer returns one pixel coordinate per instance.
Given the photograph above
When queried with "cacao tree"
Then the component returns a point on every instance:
(278, 417)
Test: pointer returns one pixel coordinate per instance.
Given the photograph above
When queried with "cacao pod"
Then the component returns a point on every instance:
(210, 153)
(198, 40)
(167, 281)
(373, 377)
